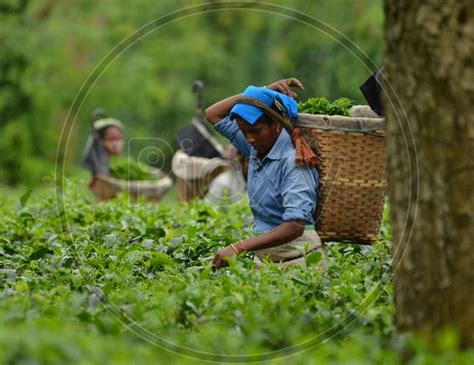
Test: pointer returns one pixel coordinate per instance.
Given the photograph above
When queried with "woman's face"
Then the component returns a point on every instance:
(113, 141)
(261, 136)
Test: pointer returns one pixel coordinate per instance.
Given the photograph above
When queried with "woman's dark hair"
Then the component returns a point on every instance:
(266, 119)
(100, 113)
(103, 131)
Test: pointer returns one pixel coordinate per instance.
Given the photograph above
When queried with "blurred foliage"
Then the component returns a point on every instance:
(49, 50)
(129, 169)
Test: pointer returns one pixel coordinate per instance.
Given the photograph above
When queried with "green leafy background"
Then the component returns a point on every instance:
(48, 49)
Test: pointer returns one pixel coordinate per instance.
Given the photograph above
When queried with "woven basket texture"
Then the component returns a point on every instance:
(352, 175)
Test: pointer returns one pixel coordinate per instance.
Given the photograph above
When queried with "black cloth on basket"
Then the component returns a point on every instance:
(372, 90)
(195, 140)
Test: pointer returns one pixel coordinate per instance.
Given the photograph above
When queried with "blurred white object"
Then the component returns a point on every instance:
(362, 111)
(192, 167)
(229, 186)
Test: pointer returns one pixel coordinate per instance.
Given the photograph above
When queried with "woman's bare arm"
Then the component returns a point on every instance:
(284, 233)
(221, 109)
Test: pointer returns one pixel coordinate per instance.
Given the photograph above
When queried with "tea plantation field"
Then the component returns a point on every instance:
(123, 282)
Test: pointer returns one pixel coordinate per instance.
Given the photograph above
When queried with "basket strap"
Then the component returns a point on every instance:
(272, 114)
(304, 153)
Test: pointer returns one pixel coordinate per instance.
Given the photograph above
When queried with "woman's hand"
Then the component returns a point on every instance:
(284, 86)
(221, 255)
(281, 234)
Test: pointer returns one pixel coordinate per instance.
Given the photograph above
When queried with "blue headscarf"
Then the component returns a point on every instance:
(251, 114)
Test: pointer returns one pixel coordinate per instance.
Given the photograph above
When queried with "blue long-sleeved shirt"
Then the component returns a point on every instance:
(278, 190)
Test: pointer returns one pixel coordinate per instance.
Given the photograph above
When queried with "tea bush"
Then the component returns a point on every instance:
(132, 282)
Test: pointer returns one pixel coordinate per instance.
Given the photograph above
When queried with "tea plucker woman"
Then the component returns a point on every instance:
(282, 194)
(106, 140)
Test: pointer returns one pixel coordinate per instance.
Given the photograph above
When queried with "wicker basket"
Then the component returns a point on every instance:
(106, 187)
(352, 175)
(194, 174)
(197, 188)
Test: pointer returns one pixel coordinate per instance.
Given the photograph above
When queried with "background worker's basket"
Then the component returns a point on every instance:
(352, 175)
(200, 157)
(106, 187)
(194, 174)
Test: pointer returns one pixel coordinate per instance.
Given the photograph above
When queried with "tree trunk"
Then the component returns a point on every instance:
(429, 100)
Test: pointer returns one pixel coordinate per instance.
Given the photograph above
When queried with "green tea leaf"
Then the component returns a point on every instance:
(321, 105)
(126, 168)
(40, 253)
(25, 197)
(313, 258)
(161, 259)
